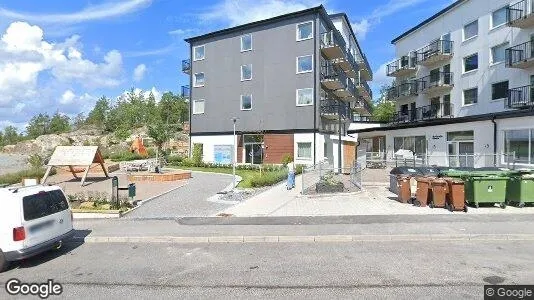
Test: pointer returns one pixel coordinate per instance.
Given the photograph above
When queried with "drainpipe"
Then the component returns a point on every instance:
(494, 140)
(339, 165)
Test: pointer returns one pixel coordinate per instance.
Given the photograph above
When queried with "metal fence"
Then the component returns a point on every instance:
(350, 177)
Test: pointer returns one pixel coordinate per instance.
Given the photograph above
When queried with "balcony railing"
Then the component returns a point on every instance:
(436, 82)
(424, 113)
(367, 72)
(520, 56)
(334, 108)
(402, 90)
(521, 97)
(362, 105)
(364, 119)
(402, 66)
(333, 44)
(364, 86)
(186, 66)
(186, 92)
(436, 51)
(520, 15)
(332, 77)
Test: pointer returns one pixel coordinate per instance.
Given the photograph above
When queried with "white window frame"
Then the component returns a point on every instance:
(491, 90)
(195, 111)
(297, 97)
(297, 29)
(492, 63)
(241, 39)
(463, 97)
(307, 71)
(195, 80)
(473, 37)
(241, 102)
(311, 150)
(492, 25)
(194, 56)
(464, 71)
(241, 68)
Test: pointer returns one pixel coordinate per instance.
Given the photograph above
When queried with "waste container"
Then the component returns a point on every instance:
(456, 194)
(423, 194)
(395, 172)
(486, 189)
(404, 191)
(131, 190)
(520, 190)
(439, 193)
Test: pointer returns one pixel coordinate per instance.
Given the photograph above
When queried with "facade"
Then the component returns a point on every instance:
(291, 82)
(463, 86)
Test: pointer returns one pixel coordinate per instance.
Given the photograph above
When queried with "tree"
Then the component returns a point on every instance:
(99, 115)
(159, 134)
(173, 109)
(384, 110)
(11, 135)
(1, 138)
(38, 125)
(59, 123)
(78, 121)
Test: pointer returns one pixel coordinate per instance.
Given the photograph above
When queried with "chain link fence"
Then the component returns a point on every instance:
(327, 178)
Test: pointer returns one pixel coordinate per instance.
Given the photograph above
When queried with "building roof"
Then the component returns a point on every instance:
(437, 122)
(441, 12)
(257, 23)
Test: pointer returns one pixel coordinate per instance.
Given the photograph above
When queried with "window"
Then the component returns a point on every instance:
(416, 144)
(304, 150)
(498, 17)
(304, 64)
(499, 90)
(498, 53)
(304, 97)
(305, 31)
(471, 63)
(521, 142)
(246, 102)
(198, 107)
(246, 72)
(470, 96)
(246, 42)
(43, 204)
(471, 30)
(198, 53)
(198, 80)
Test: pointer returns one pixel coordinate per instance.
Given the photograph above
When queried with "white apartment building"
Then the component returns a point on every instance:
(463, 87)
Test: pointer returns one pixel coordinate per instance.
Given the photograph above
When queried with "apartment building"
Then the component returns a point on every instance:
(291, 83)
(463, 86)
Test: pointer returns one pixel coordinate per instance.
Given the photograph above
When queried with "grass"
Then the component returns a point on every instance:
(251, 178)
(16, 177)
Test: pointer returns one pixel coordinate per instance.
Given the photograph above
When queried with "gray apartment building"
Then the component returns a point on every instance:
(293, 82)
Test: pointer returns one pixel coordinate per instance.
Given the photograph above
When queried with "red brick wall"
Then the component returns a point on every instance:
(277, 146)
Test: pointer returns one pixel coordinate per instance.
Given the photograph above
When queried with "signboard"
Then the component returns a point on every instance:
(223, 154)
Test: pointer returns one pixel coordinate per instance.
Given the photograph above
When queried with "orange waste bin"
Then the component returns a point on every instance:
(439, 193)
(456, 195)
(404, 193)
(423, 193)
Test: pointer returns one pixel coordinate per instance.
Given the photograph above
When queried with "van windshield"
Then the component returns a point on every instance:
(43, 204)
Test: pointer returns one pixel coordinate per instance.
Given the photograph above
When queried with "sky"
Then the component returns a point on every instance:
(61, 56)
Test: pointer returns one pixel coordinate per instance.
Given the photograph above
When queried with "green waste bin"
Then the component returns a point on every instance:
(486, 189)
(131, 190)
(520, 190)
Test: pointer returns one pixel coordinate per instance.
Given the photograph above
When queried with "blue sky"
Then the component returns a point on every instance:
(58, 55)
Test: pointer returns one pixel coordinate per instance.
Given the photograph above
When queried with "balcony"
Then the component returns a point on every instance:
(186, 66)
(435, 52)
(521, 14)
(361, 106)
(349, 92)
(333, 109)
(365, 69)
(521, 97)
(333, 45)
(347, 64)
(402, 67)
(402, 91)
(520, 56)
(333, 78)
(364, 90)
(436, 83)
(186, 92)
(424, 113)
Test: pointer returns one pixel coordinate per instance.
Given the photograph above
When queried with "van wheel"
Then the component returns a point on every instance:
(3, 262)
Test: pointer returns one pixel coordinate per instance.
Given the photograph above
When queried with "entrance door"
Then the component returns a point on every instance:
(254, 153)
(460, 149)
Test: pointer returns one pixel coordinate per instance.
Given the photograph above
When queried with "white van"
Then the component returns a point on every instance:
(32, 220)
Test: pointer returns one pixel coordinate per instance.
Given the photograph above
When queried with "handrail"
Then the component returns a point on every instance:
(519, 53)
(520, 97)
(436, 47)
(433, 80)
(428, 112)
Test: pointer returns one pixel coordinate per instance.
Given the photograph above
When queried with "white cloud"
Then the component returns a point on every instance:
(362, 27)
(94, 12)
(67, 97)
(237, 12)
(139, 72)
(180, 32)
(151, 52)
(380, 79)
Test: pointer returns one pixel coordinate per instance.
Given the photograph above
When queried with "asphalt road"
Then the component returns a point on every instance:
(434, 269)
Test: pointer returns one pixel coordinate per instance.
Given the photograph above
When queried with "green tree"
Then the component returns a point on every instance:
(59, 123)
(38, 125)
(173, 109)
(78, 121)
(99, 114)
(11, 135)
(159, 134)
(1, 139)
(384, 110)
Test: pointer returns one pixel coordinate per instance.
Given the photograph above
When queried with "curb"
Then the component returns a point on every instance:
(305, 239)
(140, 203)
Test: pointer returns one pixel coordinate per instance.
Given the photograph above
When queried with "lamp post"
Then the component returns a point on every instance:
(234, 153)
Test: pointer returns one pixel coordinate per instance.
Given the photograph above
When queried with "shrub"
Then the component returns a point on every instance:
(125, 156)
(267, 178)
(36, 161)
(287, 159)
(198, 150)
(175, 159)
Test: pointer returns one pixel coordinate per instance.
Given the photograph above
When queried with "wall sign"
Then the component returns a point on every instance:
(223, 154)
(437, 137)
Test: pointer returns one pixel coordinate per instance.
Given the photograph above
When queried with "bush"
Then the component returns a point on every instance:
(267, 178)
(125, 156)
(13, 178)
(175, 160)
(198, 152)
(287, 159)
(36, 161)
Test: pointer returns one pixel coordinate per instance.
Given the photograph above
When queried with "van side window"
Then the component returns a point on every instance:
(43, 204)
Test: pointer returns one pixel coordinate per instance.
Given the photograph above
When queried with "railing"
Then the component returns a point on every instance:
(364, 60)
(186, 65)
(366, 87)
(474, 160)
(361, 103)
(351, 88)
(435, 48)
(335, 107)
(330, 72)
(364, 119)
(186, 91)
(332, 38)
(436, 80)
(347, 179)
(517, 11)
(404, 89)
(521, 97)
(423, 113)
(403, 63)
(519, 53)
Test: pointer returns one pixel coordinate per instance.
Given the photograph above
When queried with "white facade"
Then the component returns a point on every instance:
(209, 143)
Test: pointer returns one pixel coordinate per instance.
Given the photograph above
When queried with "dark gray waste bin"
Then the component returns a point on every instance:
(395, 172)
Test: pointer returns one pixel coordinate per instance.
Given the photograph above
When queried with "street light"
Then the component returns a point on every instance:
(234, 119)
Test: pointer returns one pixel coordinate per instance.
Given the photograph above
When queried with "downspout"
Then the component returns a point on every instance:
(191, 99)
(316, 45)
(494, 140)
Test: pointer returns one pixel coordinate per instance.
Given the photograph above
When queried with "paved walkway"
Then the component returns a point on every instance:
(189, 200)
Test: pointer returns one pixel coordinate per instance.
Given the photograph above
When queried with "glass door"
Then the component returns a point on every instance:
(447, 49)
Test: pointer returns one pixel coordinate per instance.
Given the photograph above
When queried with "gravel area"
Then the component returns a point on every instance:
(10, 163)
(242, 195)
